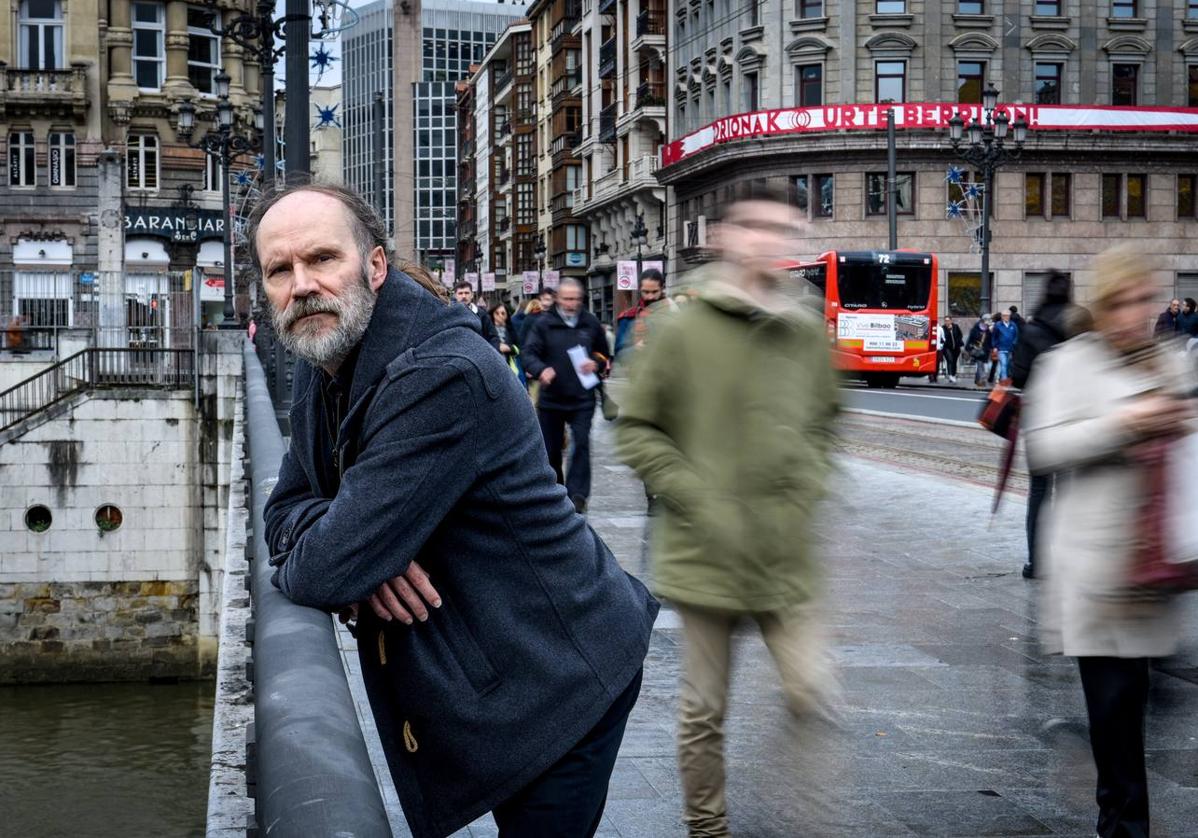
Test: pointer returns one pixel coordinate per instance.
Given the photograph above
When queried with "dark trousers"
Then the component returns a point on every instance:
(577, 479)
(950, 363)
(568, 799)
(1116, 696)
(1041, 487)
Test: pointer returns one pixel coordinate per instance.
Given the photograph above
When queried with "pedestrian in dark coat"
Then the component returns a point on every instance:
(953, 343)
(500, 643)
(979, 347)
(1055, 320)
(463, 292)
(1187, 321)
(1166, 324)
(563, 399)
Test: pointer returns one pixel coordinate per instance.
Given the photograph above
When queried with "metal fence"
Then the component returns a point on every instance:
(309, 771)
(96, 368)
(133, 310)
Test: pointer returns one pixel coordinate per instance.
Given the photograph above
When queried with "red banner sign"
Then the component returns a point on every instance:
(923, 116)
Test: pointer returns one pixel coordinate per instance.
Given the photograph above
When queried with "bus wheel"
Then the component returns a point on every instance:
(872, 380)
(889, 382)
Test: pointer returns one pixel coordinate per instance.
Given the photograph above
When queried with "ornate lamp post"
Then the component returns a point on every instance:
(225, 145)
(539, 250)
(987, 151)
(640, 237)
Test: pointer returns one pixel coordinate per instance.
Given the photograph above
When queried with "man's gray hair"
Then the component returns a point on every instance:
(573, 282)
(368, 228)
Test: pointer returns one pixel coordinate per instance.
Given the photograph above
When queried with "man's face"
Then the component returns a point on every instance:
(1175, 306)
(650, 290)
(1006, 317)
(546, 301)
(758, 234)
(465, 296)
(321, 292)
(948, 321)
(569, 300)
(1123, 321)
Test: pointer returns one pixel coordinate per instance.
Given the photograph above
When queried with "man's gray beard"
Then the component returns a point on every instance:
(352, 308)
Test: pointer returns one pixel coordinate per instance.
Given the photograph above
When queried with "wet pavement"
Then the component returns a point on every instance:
(952, 722)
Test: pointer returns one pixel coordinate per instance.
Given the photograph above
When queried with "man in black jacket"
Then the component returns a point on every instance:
(1055, 320)
(463, 292)
(951, 346)
(414, 456)
(566, 398)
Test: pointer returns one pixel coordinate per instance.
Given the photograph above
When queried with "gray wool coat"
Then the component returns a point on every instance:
(442, 462)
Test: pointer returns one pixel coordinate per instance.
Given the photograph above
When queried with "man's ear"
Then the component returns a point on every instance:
(378, 268)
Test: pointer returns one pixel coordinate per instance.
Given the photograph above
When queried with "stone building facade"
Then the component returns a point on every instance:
(1112, 172)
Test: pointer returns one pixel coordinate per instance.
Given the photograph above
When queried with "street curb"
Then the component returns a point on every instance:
(887, 415)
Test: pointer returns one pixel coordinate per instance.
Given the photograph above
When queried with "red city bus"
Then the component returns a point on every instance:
(880, 310)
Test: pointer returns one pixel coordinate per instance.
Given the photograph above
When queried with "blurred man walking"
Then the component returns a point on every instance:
(729, 422)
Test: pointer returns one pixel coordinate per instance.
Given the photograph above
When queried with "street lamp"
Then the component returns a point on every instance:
(640, 237)
(987, 151)
(225, 145)
(540, 254)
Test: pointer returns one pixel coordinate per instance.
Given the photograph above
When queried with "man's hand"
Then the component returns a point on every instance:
(404, 597)
(546, 377)
(504, 348)
(589, 366)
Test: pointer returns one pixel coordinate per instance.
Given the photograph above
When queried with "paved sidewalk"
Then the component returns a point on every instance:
(953, 723)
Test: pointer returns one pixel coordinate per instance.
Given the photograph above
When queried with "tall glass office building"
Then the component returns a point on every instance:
(367, 68)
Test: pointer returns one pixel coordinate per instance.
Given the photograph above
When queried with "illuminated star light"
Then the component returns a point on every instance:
(973, 192)
(322, 60)
(954, 175)
(327, 116)
(259, 161)
(243, 178)
(955, 209)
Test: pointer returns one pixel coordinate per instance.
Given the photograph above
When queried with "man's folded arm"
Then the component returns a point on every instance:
(291, 508)
(408, 475)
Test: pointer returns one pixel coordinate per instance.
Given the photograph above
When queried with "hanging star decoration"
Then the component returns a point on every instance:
(243, 178)
(259, 161)
(973, 192)
(322, 60)
(327, 116)
(955, 209)
(954, 175)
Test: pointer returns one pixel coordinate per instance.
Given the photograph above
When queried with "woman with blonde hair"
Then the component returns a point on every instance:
(1104, 410)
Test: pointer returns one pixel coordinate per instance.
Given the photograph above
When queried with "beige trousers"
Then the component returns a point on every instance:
(796, 641)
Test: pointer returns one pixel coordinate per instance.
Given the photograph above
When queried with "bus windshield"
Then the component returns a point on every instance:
(872, 285)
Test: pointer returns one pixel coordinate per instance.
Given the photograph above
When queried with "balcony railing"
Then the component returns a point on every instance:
(60, 91)
(503, 79)
(562, 203)
(641, 170)
(607, 58)
(564, 84)
(562, 29)
(607, 123)
(606, 7)
(651, 94)
(563, 145)
(503, 177)
(504, 224)
(650, 22)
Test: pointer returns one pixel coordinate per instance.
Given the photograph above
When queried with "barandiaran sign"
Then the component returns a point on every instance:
(172, 223)
(933, 115)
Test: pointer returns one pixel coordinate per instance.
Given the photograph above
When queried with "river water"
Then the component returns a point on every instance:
(105, 760)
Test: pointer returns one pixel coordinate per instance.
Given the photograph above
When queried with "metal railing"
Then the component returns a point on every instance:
(651, 94)
(651, 22)
(564, 144)
(312, 771)
(607, 57)
(36, 88)
(502, 80)
(92, 369)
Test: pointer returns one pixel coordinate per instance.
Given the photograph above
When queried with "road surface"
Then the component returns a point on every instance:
(951, 404)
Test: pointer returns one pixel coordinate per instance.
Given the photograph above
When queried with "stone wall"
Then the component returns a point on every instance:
(98, 631)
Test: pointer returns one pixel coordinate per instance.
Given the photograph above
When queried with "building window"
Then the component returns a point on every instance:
(1192, 9)
(40, 24)
(1192, 85)
(810, 8)
(1124, 8)
(203, 53)
(149, 55)
(890, 81)
(1033, 194)
(892, 7)
(800, 194)
(1137, 196)
(823, 188)
(1112, 189)
(576, 237)
(753, 12)
(1187, 210)
(971, 7)
(751, 91)
(62, 159)
(1062, 194)
(21, 170)
(1048, 83)
(1048, 8)
(711, 111)
(141, 162)
(1125, 84)
(211, 173)
(809, 85)
(728, 94)
(971, 78)
(877, 195)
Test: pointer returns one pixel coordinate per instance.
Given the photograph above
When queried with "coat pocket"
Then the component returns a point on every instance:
(466, 650)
